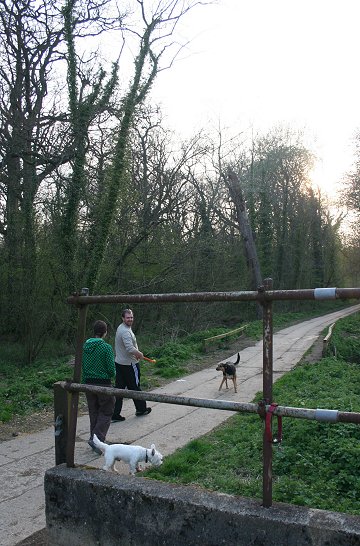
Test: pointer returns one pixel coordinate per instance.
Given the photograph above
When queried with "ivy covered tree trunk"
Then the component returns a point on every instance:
(158, 26)
(83, 109)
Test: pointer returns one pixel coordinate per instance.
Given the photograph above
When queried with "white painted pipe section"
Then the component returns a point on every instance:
(325, 293)
(331, 416)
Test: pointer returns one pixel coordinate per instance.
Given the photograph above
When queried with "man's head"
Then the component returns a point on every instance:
(100, 328)
(127, 317)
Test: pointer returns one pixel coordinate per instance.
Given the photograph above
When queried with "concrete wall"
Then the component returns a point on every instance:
(86, 507)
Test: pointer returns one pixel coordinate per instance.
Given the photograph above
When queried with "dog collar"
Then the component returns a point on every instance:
(146, 456)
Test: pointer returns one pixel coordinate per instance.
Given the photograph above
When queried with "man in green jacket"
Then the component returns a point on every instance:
(98, 368)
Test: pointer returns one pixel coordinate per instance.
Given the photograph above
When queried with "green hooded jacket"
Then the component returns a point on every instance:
(98, 360)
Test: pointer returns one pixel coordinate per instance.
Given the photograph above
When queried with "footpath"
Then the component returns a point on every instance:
(24, 459)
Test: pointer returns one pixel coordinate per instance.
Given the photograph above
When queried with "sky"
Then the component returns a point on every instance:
(261, 63)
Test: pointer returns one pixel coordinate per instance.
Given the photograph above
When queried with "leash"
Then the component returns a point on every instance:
(268, 428)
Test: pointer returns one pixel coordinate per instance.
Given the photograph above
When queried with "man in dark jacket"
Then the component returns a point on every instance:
(98, 368)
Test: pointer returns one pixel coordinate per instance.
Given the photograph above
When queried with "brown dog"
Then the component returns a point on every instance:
(229, 372)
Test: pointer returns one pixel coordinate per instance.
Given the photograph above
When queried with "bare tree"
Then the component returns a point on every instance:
(155, 193)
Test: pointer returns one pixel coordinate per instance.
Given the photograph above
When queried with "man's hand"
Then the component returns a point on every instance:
(138, 355)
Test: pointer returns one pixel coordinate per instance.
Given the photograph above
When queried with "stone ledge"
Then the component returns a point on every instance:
(94, 507)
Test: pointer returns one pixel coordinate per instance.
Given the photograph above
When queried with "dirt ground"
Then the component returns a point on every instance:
(35, 422)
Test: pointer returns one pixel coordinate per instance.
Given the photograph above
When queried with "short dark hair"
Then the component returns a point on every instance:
(125, 311)
(100, 328)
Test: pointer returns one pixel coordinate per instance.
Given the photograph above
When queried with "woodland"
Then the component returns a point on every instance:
(96, 191)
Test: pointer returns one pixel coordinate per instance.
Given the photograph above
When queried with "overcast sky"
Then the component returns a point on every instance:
(263, 62)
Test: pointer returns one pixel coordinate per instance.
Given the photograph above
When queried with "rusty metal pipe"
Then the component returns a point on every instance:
(163, 398)
(240, 407)
(306, 294)
(267, 392)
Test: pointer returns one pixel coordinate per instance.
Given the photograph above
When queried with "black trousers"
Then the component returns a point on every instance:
(128, 377)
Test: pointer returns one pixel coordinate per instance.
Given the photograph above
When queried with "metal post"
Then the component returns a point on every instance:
(74, 396)
(267, 391)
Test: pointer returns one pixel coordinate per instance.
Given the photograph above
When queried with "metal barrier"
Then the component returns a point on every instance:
(67, 393)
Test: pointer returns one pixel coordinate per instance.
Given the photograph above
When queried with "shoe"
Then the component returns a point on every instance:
(116, 418)
(145, 412)
(93, 446)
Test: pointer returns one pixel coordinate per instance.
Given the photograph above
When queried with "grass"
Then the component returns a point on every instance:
(317, 465)
(27, 389)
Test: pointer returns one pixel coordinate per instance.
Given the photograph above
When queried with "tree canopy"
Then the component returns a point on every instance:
(96, 191)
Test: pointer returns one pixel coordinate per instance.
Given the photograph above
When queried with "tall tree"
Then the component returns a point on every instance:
(89, 96)
(29, 37)
(349, 197)
(153, 43)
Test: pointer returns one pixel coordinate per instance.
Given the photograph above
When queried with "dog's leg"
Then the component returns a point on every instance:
(234, 381)
(132, 466)
(108, 463)
(222, 382)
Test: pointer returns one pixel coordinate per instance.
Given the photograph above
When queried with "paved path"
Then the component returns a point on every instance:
(24, 459)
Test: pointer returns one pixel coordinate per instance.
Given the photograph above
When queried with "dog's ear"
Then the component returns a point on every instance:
(152, 449)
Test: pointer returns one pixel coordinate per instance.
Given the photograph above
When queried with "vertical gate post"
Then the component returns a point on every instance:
(61, 414)
(267, 391)
(74, 396)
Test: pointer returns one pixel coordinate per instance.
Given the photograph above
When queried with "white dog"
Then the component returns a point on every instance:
(132, 455)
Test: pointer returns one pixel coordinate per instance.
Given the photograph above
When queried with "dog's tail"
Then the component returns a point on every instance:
(237, 360)
(99, 444)
(227, 362)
